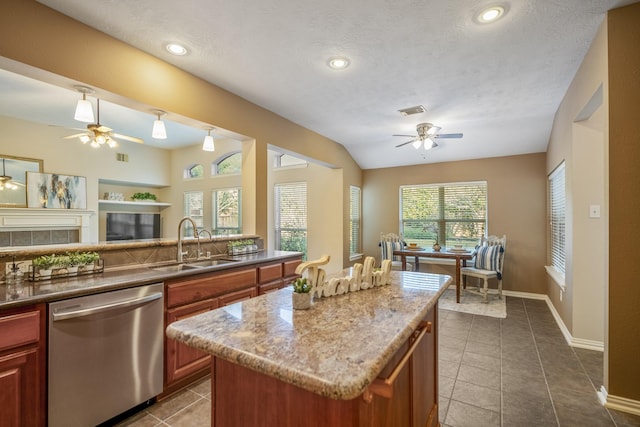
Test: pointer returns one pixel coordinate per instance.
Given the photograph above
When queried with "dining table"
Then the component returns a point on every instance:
(461, 256)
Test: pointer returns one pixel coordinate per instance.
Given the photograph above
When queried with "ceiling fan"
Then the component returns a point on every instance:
(6, 181)
(427, 133)
(99, 134)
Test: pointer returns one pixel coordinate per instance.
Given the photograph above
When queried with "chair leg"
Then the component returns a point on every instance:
(485, 291)
(500, 288)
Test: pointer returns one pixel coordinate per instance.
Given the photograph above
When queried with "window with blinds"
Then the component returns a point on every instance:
(227, 218)
(454, 213)
(291, 216)
(355, 220)
(557, 220)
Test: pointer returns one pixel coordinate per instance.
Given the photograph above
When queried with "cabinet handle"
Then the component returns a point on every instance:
(384, 387)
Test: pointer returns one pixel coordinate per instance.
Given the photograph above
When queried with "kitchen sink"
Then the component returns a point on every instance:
(174, 268)
(193, 265)
(209, 262)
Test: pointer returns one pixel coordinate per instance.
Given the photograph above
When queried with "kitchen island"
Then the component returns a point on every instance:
(362, 358)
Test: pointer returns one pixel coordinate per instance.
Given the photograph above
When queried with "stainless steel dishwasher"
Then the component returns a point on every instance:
(105, 354)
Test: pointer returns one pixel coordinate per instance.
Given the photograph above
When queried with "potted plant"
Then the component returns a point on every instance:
(89, 260)
(43, 265)
(144, 197)
(301, 296)
(73, 262)
(436, 246)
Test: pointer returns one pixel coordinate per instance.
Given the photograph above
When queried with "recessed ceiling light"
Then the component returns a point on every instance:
(177, 49)
(490, 14)
(338, 62)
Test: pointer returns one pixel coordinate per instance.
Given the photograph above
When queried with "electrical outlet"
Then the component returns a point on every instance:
(22, 265)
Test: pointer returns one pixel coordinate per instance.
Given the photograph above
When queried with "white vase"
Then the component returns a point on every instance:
(45, 274)
(301, 301)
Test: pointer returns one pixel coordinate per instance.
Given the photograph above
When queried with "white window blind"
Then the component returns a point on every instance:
(354, 219)
(226, 211)
(454, 213)
(291, 216)
(557, 220)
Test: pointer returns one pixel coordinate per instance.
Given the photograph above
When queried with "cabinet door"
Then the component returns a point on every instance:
(234, 297)
(20, 389)
(22, 366)
(182, 360)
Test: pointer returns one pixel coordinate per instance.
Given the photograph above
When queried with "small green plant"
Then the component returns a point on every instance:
(88, 258)
(44, 262)
(143, 196)
(301, 286)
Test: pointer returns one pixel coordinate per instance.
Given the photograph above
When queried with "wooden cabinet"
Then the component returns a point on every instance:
(22, 367)
(183, 361)
(404, 395)
(189, 296)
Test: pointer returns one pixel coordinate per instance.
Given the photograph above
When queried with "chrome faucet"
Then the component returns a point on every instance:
(200, 255)
(181, 254)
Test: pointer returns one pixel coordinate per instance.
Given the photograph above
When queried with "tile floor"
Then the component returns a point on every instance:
(510, 372)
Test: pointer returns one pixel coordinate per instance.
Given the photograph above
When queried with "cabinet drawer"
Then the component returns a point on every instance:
(204, 287)
(269, 273)
(19, 329)
(234, 297)
(289, 267)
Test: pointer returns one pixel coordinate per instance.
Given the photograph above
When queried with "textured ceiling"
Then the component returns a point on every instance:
(499, 84)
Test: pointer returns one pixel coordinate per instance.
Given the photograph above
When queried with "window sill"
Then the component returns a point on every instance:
(557, 276)
(355, 257)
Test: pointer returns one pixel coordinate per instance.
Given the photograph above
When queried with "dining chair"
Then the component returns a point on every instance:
(390, 242)
(489, 262)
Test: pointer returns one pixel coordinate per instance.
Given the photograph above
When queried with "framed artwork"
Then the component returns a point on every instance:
(55, 191)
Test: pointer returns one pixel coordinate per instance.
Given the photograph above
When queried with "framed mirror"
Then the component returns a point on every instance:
(13, 179)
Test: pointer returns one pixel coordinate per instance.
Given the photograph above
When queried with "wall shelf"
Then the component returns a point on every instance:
(123, 202)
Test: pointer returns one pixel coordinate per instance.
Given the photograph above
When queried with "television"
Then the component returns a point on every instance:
(131, 226)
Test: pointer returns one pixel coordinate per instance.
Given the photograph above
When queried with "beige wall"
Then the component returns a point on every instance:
(624, 203)
(37, 36)
(516, 187)
(579, 138)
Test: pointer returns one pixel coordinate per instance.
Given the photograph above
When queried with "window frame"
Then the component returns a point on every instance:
(188, 211)
(215, 165)
(214, 210)
(355, 222)
(277, 210)
(557, 223)
(436, 225)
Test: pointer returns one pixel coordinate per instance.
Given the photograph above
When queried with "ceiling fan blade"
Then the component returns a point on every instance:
(103, 129)
(447, 135)
(128, 138)
(408, 142)
(407, 136)
(74, 136)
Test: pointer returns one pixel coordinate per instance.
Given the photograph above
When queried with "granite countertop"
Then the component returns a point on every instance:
(335, 349)
(115, 278)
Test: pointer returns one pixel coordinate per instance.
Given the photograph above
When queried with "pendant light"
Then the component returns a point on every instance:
(159, 131)
(84, 110)
(208, 142)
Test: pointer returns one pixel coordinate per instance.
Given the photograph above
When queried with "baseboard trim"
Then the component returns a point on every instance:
(619, 403)
(573, 342)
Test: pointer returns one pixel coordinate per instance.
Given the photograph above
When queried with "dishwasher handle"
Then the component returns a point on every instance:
(107, 307)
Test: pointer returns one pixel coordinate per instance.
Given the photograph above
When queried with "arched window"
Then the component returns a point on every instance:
(227, 165)
(194, 170)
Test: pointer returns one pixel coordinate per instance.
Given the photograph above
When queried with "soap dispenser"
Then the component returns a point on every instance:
(15, 276)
